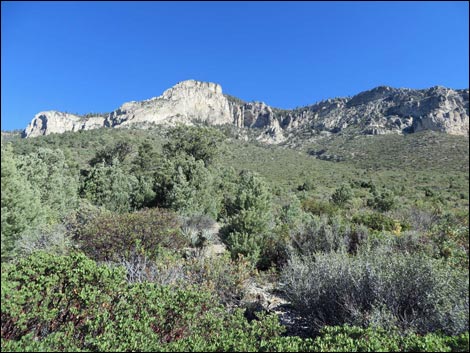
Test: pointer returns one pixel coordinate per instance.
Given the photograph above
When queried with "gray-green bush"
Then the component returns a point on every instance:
(412, 291)
(53, 239)
(325, 234)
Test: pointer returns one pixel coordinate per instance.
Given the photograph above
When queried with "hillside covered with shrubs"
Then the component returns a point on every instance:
(196, 239)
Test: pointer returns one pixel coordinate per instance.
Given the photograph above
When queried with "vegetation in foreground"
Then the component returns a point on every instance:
(109, 242)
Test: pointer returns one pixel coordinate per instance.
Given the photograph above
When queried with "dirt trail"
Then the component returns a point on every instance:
(266, 297)
(262, 294)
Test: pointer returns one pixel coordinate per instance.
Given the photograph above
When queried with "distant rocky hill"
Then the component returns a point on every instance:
(382, 110)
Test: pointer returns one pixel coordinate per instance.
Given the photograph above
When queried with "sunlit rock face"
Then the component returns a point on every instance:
(53, 122)
(382, 110)
(386, 110)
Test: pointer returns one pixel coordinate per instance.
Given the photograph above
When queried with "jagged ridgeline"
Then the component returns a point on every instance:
(382, 110)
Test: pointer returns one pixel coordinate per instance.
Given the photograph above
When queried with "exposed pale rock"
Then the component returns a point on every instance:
(186, 102)
(385, 110)
(274, 133)
(53, 122)
(382, 110)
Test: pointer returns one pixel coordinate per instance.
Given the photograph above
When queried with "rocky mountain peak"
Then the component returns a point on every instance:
(381, 110)
(188, 88)
(374, 94)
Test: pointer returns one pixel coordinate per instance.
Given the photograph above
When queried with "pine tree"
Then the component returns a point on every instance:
(185, 185)
(109, 186)
(252, 206)
(20, 205)
(251, 219)
(203, 143)
(48, 173)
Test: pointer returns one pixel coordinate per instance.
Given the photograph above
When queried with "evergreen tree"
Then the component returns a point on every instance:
(342, 195)
(203, 143)
(250, 220)
(20, 205)
(251, 209)
(184, 184)
(145, 161)
(107, 155)
(111, 187)
(48, 172)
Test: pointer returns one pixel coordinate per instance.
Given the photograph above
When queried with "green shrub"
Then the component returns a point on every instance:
(451, 241)
(383, 201)
(116, 236)
(342, 195)
(355, 339)
(263, 251)
(408, 242)
(245, 244)
(254, 197)
(57, 303)
(379, 222)
(47, 295)
(319, 208)
(291, 213)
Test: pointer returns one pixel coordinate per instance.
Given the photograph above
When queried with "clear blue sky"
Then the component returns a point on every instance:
(93, 56)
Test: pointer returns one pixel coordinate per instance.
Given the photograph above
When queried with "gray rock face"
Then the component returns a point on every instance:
(186, 102)
(385, 110)
(382, 110)
(53, 122)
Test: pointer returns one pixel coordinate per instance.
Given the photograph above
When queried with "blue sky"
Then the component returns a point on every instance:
(85, 57)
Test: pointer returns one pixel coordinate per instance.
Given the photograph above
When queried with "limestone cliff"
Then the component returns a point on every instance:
(381, 110)
(53, 122)
(385, 110)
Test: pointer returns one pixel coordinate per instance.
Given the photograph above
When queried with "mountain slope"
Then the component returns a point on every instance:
(382, 110)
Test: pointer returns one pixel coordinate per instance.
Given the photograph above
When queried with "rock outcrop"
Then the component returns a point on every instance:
(185, 102)
(382, 110)
(385, 110)
(53, 122)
